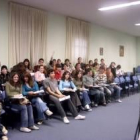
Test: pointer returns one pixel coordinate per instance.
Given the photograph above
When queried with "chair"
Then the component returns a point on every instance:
(136, 82)
(129, 84)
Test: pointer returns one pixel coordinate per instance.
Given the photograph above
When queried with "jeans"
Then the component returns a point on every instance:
(40, 106)
(115, 90)
(60, 109)
(26, 114)
(85, 97)
(107, 92)
(97, 94)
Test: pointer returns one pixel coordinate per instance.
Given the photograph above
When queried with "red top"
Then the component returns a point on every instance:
(58, 75)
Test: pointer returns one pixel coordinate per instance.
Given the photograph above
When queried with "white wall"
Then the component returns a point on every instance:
(110, 40)
(3, 32)
(56, 40)
(138, 51)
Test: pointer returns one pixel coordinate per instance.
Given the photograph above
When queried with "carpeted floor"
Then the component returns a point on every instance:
(117, 121)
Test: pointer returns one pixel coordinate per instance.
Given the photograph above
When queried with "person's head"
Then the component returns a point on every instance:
(58, 67)
(102, 61)
(79, 59)
(95, 60)
(67, 62)
(78, 66)
(90, 62)
(78, 75)
(14, 79)
(27, 78)
(89, 72)
(118, 67)
(59, 61)
(66, 76)
(41, 61)
(112, 65)
(102, 70)
(51, 73)
(26, 62)
(54, 62)
(87, 66)
(65, 67)
(41, 68)
(4, 69)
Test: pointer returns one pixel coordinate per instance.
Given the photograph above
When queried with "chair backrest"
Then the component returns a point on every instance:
(117, 80)
(138, 76)
(127, 79)
(122, 80)
(135, 78)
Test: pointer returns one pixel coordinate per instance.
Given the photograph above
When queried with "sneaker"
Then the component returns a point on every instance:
(87, 107)
(34, 127)
(48, 112)
(5, 131)
(65, 120)
(96, 105)
(4, 138)
(89, 110)
(25, 129)
(40, 122)
(119, 101)
(80, 117)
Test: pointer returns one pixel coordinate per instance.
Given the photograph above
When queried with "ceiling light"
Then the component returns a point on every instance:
(138, 24)
(119, 6)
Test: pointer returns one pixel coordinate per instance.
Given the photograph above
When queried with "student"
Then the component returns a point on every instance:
(4, 77)
(51, 87)
(95, 68)
(29, 88)
(119, 71)
(52, 64)
(113, 68)
(90, 63)
(102, 64)
(101, 79)
(59, 63)
(40, 76)
(67, 87)
(80, 62)
(81, 89)
(69, 65)
(27, 65)
(88, 82)
(77, 68)
(65, 68)
(40, 62)
(58, 72)
(114, 88)
(14, 90)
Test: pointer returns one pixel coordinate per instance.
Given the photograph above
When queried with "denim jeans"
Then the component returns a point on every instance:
(115, 90)
(40, 106)
(26, 114)
(85, 97)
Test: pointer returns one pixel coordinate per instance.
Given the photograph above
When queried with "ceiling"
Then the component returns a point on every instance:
(121, 19)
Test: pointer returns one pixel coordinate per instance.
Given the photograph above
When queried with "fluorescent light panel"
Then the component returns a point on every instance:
(120, 6)
(138, 24)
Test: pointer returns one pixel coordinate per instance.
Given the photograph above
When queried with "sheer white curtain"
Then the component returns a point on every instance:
(27, 34)
(77, 40)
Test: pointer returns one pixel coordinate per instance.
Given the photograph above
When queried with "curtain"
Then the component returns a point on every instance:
(77, 39)
(27, 34)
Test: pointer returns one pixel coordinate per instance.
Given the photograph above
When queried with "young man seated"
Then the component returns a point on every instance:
(51, 87)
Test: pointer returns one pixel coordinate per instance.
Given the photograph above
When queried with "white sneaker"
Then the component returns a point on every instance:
(80, 117)
(48, 112)
(96, 105)
(5, 131)
(34, 127)
(40, 122)
(89, 110)
(87, 107)
(119, 101)
(4, 138)
(65, 120)
(25, 129)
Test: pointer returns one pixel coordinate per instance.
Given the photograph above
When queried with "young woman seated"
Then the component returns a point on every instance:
(20, 103)
(51, 87)
(40, 76)
(96, 94)
(29, 88)
(4, 77)
(67, 87)
(27, 65)
(82, 90)
(114, 88)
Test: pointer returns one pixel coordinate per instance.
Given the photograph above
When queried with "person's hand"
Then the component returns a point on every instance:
(31, 93)
(90, 85)
(60, 95)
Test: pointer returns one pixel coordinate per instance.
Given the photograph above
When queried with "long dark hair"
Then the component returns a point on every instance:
(29, 65)
(64, 74)
(76, 75)
(18, 84)
(30, 80)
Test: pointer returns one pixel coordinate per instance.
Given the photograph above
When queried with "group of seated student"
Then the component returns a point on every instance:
(85, 85)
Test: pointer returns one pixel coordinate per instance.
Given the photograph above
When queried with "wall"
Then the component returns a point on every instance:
(99, 37)
(138, 51)
(3, 32)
